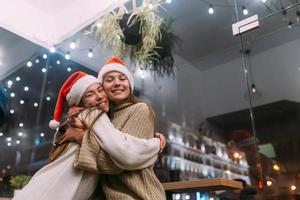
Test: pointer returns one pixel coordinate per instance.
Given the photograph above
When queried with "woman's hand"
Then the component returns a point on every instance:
(162, 139)
(72, 134)
(75, 122)
(73, 111)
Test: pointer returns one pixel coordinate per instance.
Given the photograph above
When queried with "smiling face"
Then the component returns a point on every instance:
(95, 96)
(116, 86)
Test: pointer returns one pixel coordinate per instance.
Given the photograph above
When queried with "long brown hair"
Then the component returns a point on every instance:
(58, 149)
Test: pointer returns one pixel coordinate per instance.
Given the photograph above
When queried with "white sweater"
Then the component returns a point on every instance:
(126, 151)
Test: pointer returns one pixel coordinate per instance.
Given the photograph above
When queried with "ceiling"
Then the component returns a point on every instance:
(204, 37)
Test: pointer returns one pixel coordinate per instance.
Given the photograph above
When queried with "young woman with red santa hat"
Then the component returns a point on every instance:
(135, 117)
(59, 179)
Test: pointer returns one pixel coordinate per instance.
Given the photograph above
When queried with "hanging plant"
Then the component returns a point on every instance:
(141, 35)
(163, 61)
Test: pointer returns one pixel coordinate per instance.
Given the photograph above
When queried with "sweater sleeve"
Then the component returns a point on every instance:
(127, 152)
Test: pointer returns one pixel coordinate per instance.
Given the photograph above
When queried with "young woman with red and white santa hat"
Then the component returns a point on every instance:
(135, 117)
(59, 179)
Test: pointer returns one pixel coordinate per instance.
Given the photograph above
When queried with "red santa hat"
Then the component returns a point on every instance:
(71, 91)
(116, 64)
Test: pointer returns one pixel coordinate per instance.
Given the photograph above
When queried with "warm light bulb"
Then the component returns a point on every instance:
(276, 167)
(52, 49)
(245, 11)
(73, 45)
(269, 183)
(67, 56)
(293, 187)
(90, 54)
(29, 64)
(211, 10)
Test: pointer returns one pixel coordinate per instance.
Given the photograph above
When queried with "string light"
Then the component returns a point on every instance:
(22, 101)
(58, 62)
(1, 134)
(276, 167)
(21, 124)
(18, 78)
(73, 45)
(45, 56)
(44, 70)
(253, 88)
(264, 1)
(35, 104)
(26, 88)
(29, 64)
(290, 24)
(52, 49)
(168, 1)
(245, 11)
(48, 98)
(211, 10)
(9, 83)
(90, 54)
(42, 134)
(293, 187)
(18, 141)
(69, 69)
(20, 134)
(12, 111)
(9, 144)
(8, 139)
(37, 60)
(12, 94)
(269, 183)
(67, 56)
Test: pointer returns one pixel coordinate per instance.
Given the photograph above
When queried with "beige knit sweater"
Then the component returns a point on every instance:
(120, 184)
(126, 151)
(139, 184)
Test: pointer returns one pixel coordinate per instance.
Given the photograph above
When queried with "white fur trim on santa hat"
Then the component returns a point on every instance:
(53, 124)
(116, 67)
(79, 88)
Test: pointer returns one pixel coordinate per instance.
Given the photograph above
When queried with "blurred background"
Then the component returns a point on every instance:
(229, 108)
